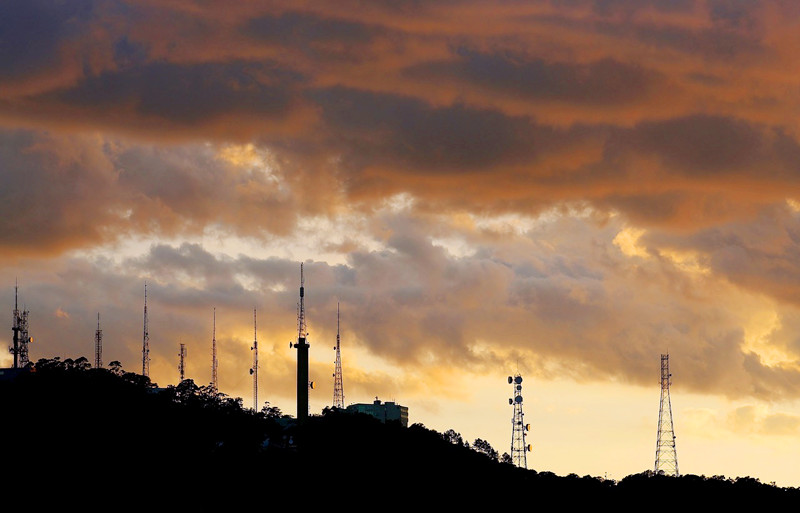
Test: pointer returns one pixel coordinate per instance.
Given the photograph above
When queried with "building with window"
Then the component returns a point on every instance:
(388, 411)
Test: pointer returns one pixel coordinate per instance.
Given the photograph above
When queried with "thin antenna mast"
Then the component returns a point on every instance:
(182, 362)
(145, 339)
(338, 389)
(21, 338)
(666, 454)
(98, 345)
(254, 369)
(15, 327)
(214, 353)
(302, 356)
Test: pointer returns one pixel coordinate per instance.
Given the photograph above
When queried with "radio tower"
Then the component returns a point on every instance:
(519, 450)
(302, 356)
(182, 362)
(338, 390)
(98, 345)
(21, 339)
(666, 455)
(145, 339)
(254, 369)
(214, 354)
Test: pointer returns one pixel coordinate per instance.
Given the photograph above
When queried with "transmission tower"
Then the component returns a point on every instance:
(254, 369)
(338, 390)
(302, 355)
(182, 362)
(21, 338)
(666, 454)
(145, 339)
(214, 354)
(98, 345)
(519, 450)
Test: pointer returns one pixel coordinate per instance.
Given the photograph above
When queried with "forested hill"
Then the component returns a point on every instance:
(105, 439)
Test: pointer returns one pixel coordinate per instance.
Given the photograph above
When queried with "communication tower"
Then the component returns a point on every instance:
(21, 338)
(98, 345)
(666, 454)
(519, 449)
(182, 362)
(145, 339)
(338, 390)
(214, 353)
(303, 384)
(254, 369)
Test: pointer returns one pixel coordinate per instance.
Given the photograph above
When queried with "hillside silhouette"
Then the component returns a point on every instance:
(106, 439)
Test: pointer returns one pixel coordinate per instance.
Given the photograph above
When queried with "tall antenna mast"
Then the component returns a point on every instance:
(182, 362)
(338, 389)
(15, 327)
(214, 353)
(519, 450)
(21, 338)
(254, 369)
(145, 339)
(98, 345)
(302, 355)
(666, 454)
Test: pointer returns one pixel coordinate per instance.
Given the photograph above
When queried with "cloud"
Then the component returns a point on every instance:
(643, 153)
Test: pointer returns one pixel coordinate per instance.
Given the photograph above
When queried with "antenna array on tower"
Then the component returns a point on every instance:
(666, 454)
(21, 338)
(519, 449)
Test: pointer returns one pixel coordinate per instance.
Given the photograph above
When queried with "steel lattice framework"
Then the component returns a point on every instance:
(145, 339)
(98, 345)
(21, 339)
(519, 449)
(666, 454)
(338, 389)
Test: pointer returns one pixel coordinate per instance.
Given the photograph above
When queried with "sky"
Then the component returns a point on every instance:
(564, 189)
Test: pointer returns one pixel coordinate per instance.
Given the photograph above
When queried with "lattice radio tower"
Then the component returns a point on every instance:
(338, 389)
(214, 362)
(98, 345)
(254, 369)
(519, 449)
(21, 339)
(303, 384)
(145, 339)
(182, 362)
(666, 454)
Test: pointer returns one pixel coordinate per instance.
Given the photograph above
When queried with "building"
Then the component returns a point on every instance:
(388, 411)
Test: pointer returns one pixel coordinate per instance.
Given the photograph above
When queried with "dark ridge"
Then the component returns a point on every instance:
(106, 439)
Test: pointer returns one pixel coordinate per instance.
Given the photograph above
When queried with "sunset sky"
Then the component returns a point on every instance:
(566, 189)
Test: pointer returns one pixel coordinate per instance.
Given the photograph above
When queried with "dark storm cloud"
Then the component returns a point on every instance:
(416, 136)
(604, 82)
(184, 94)
(32, 33)
(314, 35)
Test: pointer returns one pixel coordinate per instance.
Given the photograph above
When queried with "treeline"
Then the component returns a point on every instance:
(108, 439)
